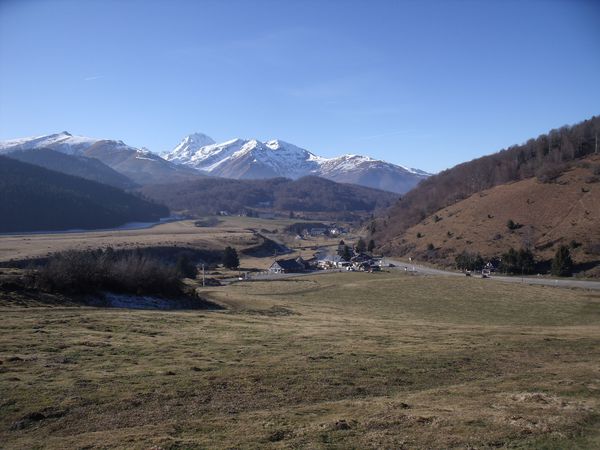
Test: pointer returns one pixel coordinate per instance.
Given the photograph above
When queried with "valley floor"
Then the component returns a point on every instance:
(344, 360)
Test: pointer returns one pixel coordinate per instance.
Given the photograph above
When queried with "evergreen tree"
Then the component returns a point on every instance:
(469, 261)
(361, 246)
(518, 262)
(341, 248)
(371, 246)
(526, 261)
(346, 254)
(562, 264)
(230, 258)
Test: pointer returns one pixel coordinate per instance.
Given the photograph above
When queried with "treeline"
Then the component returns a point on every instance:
(518, 262)
(545, 157)
(211, 195)
(36, 199)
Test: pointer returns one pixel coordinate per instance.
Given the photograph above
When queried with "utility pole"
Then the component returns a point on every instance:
(203, 276)
(596, 151)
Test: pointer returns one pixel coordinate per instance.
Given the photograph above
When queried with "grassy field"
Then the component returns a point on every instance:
(347, 360)
(234, 231)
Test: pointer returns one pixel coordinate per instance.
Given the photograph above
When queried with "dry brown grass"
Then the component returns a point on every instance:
(348, 360)
(234, 231)
(551, 214)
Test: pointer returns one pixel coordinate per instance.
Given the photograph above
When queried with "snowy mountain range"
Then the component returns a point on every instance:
(139, 165)
(253, 159)
(197, 155)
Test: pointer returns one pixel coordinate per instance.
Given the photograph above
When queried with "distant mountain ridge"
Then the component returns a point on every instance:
(139, 165)
(253, 159)
(315, 196)
(197, 155)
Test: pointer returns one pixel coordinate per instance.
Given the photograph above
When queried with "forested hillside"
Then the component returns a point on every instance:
(79, 166)
(544, 157)
(210, 195)
(33, 199)
(536, 197)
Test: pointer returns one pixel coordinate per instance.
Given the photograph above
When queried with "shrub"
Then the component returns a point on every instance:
(551, 172)
(512, 225)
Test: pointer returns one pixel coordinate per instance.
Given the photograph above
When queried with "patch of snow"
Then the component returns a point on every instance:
(139, 302)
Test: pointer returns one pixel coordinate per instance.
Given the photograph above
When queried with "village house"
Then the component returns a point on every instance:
(288, 266)
(318, 231)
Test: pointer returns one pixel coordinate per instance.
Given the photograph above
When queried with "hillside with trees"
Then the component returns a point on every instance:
(79, 166)
(35, 199)
(543, 158)
(539, 195)
(308, 194)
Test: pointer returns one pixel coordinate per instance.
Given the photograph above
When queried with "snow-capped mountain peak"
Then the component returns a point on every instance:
(188, 146)
(198, 140)
(241, 158)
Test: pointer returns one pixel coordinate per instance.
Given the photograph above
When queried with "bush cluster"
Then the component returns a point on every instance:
(90, 272)
(469, 261)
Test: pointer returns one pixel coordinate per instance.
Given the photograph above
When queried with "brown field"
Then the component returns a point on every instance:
(234, 231)
(350, 360)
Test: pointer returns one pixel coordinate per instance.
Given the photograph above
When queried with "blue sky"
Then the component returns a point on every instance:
(426, 84)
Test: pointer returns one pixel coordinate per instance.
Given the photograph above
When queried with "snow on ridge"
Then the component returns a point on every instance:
(69, 144)
(63, 142)
(282, 157)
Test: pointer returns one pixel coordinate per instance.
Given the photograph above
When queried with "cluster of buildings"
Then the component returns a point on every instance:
(359, 262)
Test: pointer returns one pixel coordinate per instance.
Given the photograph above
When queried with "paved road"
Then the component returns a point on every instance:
(400, 265)
(563, 282)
